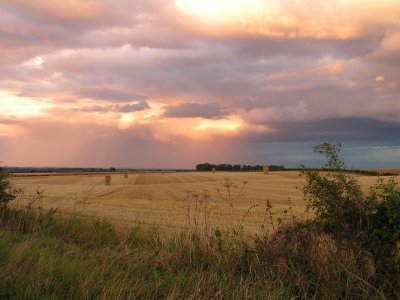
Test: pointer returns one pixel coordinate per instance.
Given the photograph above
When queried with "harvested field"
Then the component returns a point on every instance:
(386, 170)
(173, 200)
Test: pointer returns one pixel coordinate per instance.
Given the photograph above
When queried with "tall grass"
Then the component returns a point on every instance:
(76, 257)
(46, 254)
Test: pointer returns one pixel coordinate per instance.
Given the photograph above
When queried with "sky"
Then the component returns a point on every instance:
(173, 83)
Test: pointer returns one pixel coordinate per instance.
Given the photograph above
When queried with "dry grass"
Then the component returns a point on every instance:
(47, 255)
(62, 257)
(172, 200)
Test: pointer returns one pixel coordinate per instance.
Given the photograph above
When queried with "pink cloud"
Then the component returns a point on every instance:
(148, 73)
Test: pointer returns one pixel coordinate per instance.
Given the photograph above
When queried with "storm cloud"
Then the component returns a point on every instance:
(164, 74)
(195, 110)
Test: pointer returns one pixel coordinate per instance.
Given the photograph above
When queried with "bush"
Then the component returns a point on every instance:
(7, 191)
(366, 221)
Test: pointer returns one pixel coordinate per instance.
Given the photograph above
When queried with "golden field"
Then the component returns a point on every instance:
(174, 199)
(386, 170)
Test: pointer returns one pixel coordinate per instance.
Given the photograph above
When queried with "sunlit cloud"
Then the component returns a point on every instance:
(126, 121)
(14, 106)
(288, 19)
(218, 125)
(333, 68)
(223, 10)
(34, 62)
(164, 76)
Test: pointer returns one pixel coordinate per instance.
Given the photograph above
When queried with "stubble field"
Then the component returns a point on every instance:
(174, 200)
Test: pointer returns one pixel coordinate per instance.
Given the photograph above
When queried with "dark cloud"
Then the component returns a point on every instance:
(122, 108)
(195, 110)
(258, 47)
(111, 94)
(35, 28)
(142, 105)
(93, 108)
(338, 129)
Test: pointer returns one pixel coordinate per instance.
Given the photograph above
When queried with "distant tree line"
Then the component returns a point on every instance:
(78, 170)
(243, 168)
(57, 170)
(371, 172)
(229, 167)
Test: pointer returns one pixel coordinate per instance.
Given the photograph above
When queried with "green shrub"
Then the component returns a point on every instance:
(7, 191)
(366, 221)
(335, 197)
(384, 230)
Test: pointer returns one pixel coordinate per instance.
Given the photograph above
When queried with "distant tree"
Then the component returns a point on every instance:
(112, 169)
(205, 167)
(224, 167)
(276, 168)
(237, 167)
(228, 167)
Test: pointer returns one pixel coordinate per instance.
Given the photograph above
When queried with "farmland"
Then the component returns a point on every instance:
(231, 253)
(173, 200)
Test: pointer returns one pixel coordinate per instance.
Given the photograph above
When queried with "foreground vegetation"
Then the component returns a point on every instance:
(349, 249)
